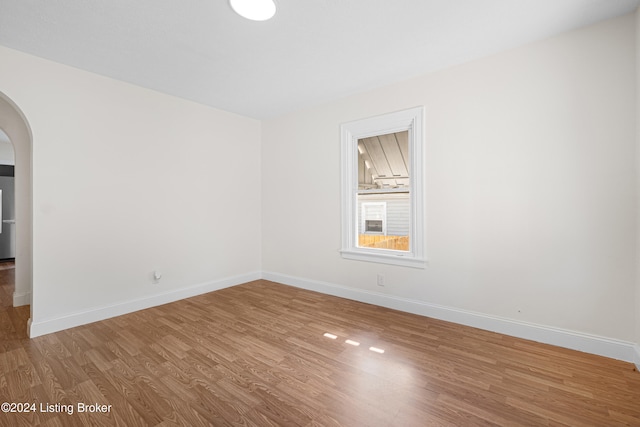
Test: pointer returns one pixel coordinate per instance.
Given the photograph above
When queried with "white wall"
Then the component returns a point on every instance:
(127, 181)
(530, 186)
(7, 156)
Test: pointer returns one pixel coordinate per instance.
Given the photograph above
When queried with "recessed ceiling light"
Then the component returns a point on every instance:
(256, 10)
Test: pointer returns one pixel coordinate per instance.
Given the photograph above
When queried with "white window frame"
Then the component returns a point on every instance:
(411, 120)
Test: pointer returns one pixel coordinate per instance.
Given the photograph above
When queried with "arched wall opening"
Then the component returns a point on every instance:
(15, 125)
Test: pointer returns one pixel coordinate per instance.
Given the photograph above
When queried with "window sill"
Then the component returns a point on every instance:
(389, 257)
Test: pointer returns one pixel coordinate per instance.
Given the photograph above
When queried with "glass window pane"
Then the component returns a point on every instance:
(384, 221)
(383, 161)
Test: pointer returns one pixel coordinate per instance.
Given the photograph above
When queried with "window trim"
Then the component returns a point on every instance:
(411, 120)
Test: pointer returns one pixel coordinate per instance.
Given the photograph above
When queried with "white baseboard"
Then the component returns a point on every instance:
(615, 349)
(20, 299)
(47, 326)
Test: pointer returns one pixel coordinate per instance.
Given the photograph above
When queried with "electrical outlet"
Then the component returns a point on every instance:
(156, 276)
(380, 279)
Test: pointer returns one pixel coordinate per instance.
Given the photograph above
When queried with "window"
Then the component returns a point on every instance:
(374, 218)
(382, 189)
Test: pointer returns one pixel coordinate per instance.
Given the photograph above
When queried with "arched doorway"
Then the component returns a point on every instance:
(7, 203)
(14, 124)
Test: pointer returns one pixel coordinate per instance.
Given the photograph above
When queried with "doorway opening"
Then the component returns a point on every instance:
(16, 264)
(7, 200)
(17, 317)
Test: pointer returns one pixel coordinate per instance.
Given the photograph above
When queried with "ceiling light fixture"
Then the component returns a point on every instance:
(255, 10)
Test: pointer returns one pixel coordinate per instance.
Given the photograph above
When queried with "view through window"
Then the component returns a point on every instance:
(383, 191)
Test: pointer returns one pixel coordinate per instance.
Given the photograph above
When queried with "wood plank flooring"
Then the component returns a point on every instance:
(256, 355)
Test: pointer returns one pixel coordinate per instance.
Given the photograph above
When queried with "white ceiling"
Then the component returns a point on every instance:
(311, 52)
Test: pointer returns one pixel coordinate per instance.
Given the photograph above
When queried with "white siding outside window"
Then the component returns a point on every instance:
(373, 218)
(397, 212)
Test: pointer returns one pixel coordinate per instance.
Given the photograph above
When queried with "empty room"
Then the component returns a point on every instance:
(327, 213)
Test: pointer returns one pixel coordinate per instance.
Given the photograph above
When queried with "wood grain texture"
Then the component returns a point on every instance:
(255, 355)
(398, 243)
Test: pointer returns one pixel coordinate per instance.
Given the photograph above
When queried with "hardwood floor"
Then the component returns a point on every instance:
(256, 355)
